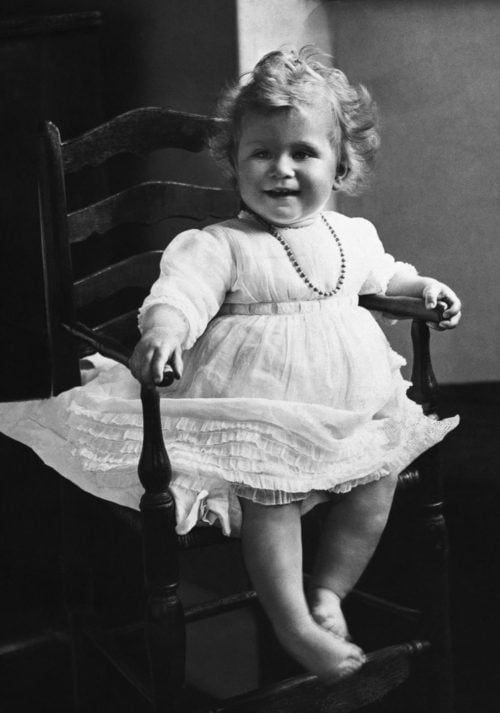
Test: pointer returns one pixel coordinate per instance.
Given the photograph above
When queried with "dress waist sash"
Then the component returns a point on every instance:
(293, 307)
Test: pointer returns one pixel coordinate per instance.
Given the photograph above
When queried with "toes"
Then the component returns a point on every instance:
(332, 625)
(360, 657)
(353, 662)
(347, 668)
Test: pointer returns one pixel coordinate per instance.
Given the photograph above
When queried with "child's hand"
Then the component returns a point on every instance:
(435, 293)
(158, 347)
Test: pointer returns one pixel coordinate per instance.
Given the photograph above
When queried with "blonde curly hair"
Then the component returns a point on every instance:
(288, 79)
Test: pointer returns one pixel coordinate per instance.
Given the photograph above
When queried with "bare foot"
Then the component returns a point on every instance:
(329, 657)
(326, 610)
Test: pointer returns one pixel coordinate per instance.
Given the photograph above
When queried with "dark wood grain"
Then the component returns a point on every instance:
(401, 307)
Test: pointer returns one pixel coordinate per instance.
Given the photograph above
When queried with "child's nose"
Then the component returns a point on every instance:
(282, 166)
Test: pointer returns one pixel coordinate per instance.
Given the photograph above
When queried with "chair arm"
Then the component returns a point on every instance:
(110, 347)
(399, 307)
(402, 307)
(107, 346)
(424, 386)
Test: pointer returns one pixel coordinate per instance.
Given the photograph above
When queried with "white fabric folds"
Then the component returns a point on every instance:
(284, 396)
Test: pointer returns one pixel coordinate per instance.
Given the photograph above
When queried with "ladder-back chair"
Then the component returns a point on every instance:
(77, 326)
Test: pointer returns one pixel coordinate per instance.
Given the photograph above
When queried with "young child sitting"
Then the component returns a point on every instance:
(288, 393)
(309, 396)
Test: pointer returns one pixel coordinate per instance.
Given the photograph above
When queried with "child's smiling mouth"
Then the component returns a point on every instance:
(281, 192)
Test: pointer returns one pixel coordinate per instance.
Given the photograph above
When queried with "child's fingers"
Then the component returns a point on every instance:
(168, 376)
(139, 365)
(450, 320)
(453, 308)
(177, 363)
(431, 294)
(453, 312)
(439, 295)
(158, 364)
(172, 370)
(149, 362)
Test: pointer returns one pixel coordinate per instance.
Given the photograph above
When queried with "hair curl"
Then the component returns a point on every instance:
(289, 79)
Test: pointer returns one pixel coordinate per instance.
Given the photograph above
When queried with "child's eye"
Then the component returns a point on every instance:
(261, 153)
(302, 154)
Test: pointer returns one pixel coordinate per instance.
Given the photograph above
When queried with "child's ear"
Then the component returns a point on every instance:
(341, 174)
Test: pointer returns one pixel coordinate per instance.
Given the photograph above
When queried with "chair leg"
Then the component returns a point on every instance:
(434, 587)
(164, 619)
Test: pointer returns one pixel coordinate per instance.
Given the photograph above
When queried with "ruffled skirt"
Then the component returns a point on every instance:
(275, 407)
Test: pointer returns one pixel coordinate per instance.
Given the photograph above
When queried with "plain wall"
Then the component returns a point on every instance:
(434, 70)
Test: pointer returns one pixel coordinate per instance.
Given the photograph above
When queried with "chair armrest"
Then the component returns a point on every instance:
(402, 307)
(111, 348)
(399, 307)
(107, 346)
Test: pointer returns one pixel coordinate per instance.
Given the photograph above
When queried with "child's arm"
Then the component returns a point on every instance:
(163, 332)
(432, 292)
(197, 269)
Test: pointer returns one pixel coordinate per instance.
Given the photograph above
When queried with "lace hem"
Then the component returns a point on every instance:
(205, 494)
(254, 454)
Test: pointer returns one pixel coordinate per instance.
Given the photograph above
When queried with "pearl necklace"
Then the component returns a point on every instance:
(295, 263)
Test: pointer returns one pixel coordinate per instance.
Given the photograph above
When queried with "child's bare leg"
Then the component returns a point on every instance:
(272, 547)
(351, 534)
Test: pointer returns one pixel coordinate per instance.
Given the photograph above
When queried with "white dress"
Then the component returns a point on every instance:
(285, 396)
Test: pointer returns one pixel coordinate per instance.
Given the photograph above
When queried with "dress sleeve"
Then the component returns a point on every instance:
(197, 269)
(381, 266)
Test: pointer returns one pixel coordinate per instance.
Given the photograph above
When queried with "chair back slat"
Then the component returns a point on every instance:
(136, 271)
(101, 298)
(138, 132)
(149, 203)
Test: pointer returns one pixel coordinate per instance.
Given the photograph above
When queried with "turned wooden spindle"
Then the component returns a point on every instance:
(424, 389)
(165, 628)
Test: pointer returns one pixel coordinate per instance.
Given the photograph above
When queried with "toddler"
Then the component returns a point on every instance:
(288, 393)
(296, 395)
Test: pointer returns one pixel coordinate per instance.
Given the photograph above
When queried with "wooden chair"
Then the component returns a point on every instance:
(77, 325)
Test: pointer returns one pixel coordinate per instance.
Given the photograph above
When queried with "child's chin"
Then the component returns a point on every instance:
(283, 215)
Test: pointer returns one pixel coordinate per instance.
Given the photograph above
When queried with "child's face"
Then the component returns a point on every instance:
(286, 163)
